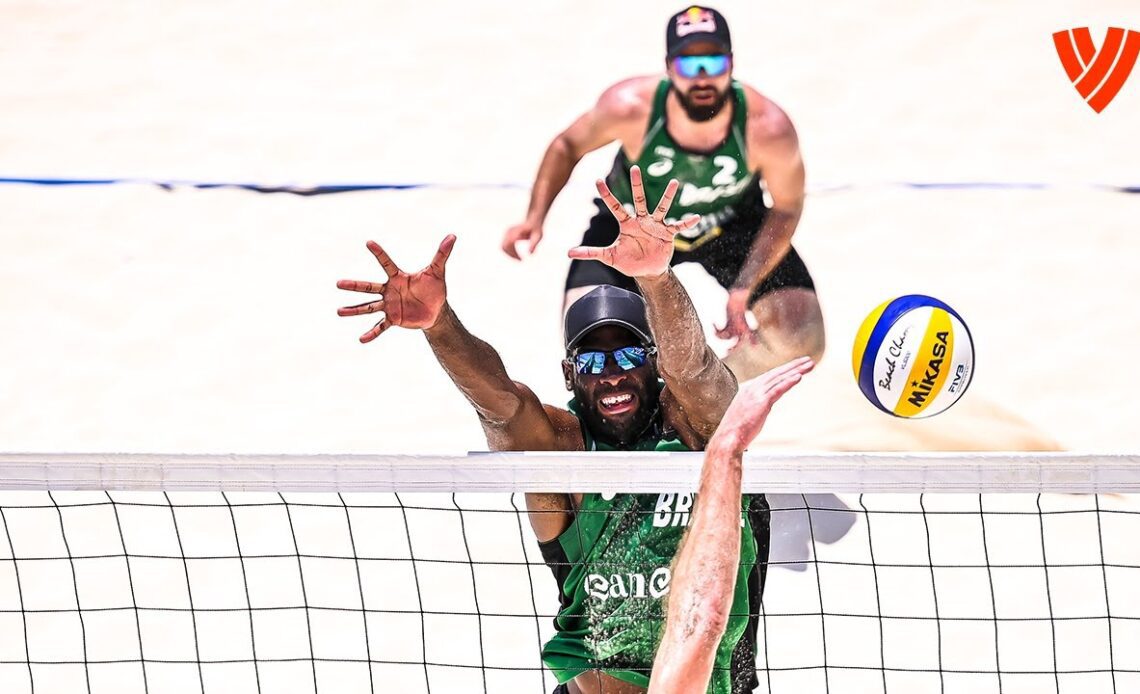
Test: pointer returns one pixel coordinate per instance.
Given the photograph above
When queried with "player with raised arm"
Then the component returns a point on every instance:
(643, 378)
(705, 573)
(737, 157)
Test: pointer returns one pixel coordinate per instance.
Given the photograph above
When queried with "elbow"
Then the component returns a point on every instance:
(786, 217)
(563, 147)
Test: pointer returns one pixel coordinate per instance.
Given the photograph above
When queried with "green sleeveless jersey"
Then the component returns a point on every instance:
(717, 185)
(613, 565)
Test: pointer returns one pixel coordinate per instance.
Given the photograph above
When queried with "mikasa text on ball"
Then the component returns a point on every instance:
(913, 356)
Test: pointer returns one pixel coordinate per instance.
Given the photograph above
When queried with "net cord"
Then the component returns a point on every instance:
(770, 472)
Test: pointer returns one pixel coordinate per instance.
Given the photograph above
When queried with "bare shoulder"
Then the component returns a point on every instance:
(767, 122)
(630, 99)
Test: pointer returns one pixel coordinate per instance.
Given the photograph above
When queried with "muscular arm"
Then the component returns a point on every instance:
(704, 573)
(619, 107)
(702, 384)
(774, 150)
(704, 577)
(511, 415)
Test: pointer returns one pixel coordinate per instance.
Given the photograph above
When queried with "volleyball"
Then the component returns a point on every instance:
(913, 356)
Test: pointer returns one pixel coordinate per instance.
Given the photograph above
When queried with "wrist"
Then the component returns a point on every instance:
(445, 318)
(652, 282)
(726, 442)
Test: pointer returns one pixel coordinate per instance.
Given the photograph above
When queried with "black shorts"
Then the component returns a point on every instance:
(721, 257)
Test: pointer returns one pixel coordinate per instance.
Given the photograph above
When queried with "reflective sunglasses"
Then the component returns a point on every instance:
(593, 362)
(689, 66)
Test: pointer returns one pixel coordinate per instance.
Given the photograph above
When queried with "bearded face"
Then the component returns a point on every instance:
(618, 404)
(702, 102)
(701, 78)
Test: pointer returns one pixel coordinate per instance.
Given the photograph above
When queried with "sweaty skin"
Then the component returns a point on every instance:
(704, 573)
(789, 320)
(698, 387)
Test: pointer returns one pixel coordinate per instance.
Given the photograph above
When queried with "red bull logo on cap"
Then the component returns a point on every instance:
(694, 21)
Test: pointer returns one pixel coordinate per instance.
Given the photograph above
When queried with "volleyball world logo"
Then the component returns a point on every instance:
(1097, 75)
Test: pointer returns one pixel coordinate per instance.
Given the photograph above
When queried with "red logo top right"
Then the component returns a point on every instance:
(1098, 75)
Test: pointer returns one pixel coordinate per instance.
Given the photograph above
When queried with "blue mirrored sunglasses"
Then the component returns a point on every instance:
(593, 362)
(689, 66)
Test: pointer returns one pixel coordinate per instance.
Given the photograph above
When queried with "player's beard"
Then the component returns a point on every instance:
(698, 113)
(620, 431)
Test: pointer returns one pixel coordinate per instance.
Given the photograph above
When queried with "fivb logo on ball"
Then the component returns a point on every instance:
(913, 356)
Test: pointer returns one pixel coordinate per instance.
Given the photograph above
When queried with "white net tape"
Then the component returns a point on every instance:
(561, 472)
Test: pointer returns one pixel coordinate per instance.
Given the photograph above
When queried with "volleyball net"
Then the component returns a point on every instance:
(886, 573)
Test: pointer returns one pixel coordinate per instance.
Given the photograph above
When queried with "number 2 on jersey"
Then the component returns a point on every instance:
(727, 174)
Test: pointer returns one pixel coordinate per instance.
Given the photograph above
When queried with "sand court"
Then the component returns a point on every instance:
(203, 320)
(142, 320)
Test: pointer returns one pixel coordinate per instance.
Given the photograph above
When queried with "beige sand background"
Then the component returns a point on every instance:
(136, 319)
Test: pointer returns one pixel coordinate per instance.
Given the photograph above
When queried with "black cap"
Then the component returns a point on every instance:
(696, 24)
(607, 305)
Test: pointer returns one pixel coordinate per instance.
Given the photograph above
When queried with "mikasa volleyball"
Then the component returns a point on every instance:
(913, 356)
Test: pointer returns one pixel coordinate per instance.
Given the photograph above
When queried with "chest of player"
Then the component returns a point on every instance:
(707, 181)
(630, 540)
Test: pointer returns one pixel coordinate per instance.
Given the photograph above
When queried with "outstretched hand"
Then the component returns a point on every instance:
(753, 402)
(409, 300)
(644, 245)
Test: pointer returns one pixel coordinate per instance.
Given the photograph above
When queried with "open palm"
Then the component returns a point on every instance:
(408, 300)
(644, 245)
(749, 410)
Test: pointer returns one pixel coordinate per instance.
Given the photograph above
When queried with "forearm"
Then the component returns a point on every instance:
(706, 568)
(769, 247)
(475, 368)
(683, 355)
(704, 580)
(707, 564)
(553, 173)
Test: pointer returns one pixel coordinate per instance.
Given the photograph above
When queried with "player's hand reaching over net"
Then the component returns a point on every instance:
(644, 245)
(705, 573)
(409, 300)
(749, 410)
